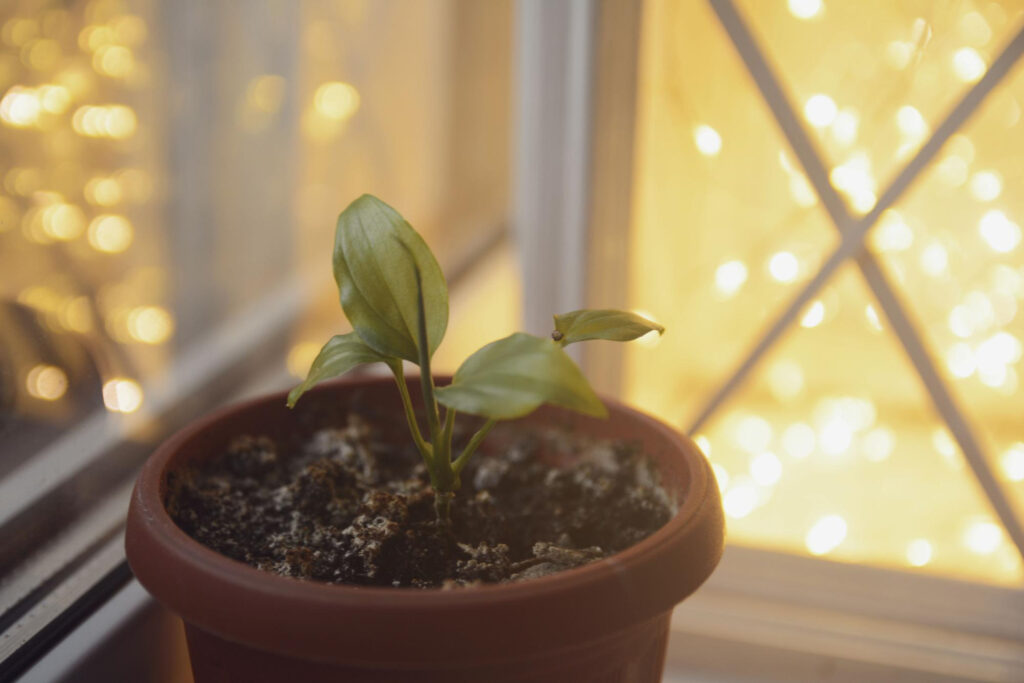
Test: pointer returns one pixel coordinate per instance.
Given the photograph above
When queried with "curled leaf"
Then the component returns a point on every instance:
(602, 324)
(376, 257)
(339, 355)
(513, 376)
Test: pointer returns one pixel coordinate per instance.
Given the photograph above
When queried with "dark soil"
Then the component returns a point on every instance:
(348, 507)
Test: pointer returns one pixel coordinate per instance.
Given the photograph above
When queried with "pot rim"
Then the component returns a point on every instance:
(148, 517)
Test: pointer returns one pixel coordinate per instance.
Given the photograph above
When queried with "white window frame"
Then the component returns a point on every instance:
(568, 174)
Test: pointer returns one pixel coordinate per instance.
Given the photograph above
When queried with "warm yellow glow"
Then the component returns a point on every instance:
(730, 276)
(892, 233)
(960, 360)
(46, 382)
(753, 433)
(784, 266)
(1013, 462)
(703, 443)
(42, 54)
(652, 338)
(77, 79)
(826, 535)
(122, 395)
(75, 314)
(975, 29)
(786, 379)
(721, 476)
(8, 214)
(55, 99)
(953, 170)
(266, 93)
(935, 259)
(911, 123)
(801, 191)
(976, 314)
(300, 358)
(766, 468)
(806, 9)
(944, 445)
(63, 221)
(110, 234)
(983, 537)
(103, 191)
(115, 61)
(854, 178)
(92, 38)
(820, 110)
(835, 436)
(110, 121)
(814, 315)
(1002, 347)
(150, 324)
(798, 441)
(843, 410)
(898, 54)
(998, 231)
(19, 30)
(878, 444)
(136, 185)
(986, 185)
(968, 65)
(20, 107)
(845, 126)
(740, 500)
(872, 317)
(919, 552)
(707, 139)
(336, 100)
(129, 29)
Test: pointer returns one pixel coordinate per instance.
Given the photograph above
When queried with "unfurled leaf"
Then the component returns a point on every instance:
(376, 255)
(342, 353)
(513, 376)
(603, 324)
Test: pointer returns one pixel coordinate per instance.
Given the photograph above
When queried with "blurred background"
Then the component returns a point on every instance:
(170, 173)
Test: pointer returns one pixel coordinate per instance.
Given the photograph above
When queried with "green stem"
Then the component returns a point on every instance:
(472, 445)
(446, 434)
(424, 448)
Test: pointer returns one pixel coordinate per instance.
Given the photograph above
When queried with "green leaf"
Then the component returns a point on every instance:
(376, 254)
(603, 324)
(339, 355)
(513, 376)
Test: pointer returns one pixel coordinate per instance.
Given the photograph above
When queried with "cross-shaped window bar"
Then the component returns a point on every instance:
(853, 230)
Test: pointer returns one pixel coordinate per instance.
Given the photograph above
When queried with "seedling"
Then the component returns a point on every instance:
(395, 296)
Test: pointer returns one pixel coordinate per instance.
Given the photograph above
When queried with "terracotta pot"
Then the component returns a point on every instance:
(603, 622)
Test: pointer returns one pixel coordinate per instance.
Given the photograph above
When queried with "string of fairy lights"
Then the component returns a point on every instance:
(81, 177)
(800, 461)
(75, 185)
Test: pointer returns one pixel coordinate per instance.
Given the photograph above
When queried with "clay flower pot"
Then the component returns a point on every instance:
(603, 622)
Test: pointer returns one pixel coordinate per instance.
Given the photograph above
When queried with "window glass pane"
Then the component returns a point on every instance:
(831, 447)
(169, 169)
(725, 227)
(84, 294)
(961, 263)
(873, 79)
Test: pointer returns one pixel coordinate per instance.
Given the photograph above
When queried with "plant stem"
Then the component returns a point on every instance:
(424, 448)
(472, 446)
(446, 434)
(442, 507)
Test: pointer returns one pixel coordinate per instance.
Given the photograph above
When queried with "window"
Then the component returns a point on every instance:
(833, 447)
(170, 173)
